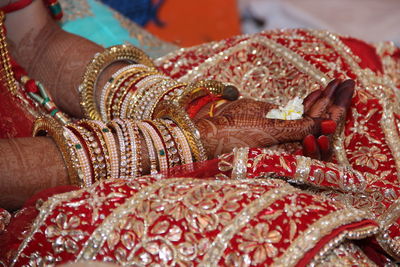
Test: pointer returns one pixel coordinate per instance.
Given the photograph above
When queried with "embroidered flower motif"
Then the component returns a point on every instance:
(292, 111)
(369, 156)
(260, 240)
(65, 233)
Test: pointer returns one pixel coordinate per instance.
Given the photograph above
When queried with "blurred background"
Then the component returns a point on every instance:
(188, 22)
(191, 22)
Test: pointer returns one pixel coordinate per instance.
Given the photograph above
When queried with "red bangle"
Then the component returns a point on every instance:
(16, 6)
(196, 105)
(53, 6)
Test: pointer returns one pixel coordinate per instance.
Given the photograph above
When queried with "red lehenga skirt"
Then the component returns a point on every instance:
(252, 206)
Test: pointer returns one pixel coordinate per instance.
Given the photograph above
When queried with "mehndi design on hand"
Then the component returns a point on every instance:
(242, 123)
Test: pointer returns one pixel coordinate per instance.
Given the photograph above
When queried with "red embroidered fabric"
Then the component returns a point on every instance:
(262, 219)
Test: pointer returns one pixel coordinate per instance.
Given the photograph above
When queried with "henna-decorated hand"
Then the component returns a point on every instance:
(242, 122)
(330, 104)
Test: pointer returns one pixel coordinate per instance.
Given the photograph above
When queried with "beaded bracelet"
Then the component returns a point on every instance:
(134, 136)
(105, 157)
(125, 88)
(169, 110)
(111, 148)
(122, 102)
(150, 148)
(116, 83)
(151, 99)
(80, 158)
(97, 65)
(168, 94)
(158, 144)
(91, 145)
(95, 147)
(48, 126)
(85, 140)
(137, 110)
(182, 144)
(128, 155)
(143, 86)
(170, 144)
(123, 151)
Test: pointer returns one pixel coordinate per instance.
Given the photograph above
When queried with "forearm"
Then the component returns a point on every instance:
(52, 56)
(27, 166)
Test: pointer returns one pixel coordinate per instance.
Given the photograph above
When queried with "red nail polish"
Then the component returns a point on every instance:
(328, 127)
(310, 144)
(323, 142)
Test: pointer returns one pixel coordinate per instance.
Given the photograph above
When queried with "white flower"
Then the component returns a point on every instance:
(292, 111)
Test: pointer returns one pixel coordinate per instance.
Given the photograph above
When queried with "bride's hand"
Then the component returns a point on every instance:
(331, 104)
(242, 122)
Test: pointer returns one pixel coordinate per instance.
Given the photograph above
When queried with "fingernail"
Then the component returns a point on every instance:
(310, 144)
(328, 127)
(323, 142)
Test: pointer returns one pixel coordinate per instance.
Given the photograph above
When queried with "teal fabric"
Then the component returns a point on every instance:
(102, 28)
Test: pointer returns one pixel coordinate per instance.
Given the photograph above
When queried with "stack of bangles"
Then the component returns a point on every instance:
(140, 92)
(140, 110)
(94, 151)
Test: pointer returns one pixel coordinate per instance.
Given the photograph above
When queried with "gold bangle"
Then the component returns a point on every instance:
(165, 95)
(130, 95)
(88, 142)
(47, 126)
(174, 150)
(199, 89)
(169, 110)
(101, 150)
(113, 87)
(97, 65)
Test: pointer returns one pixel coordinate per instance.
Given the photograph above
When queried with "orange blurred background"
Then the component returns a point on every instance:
(191, 22)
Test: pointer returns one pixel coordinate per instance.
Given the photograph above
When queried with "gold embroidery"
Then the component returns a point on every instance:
(222, 240)
(381, 87)
(387, 219)
(239, 170)
(309, 238)
(135, 205)
(345, 255)
(99, 236)
(259, 79)
(369, 157)
(303, 168)
(45, 211)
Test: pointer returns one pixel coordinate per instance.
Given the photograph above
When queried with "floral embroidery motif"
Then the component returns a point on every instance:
(370, 157)
(261, 242)
(65, 229)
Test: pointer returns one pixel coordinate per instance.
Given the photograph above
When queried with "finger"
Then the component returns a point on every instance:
(344, 96)
(310, 147)
(325, 100)
(310, 100)
(325, 147)
(331, 88)
(342, 102)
